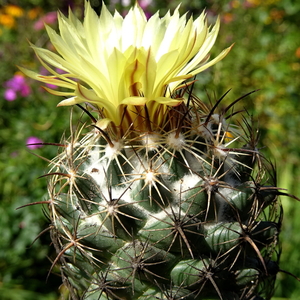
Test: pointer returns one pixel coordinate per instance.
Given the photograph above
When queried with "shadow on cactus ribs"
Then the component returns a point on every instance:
(189, 210)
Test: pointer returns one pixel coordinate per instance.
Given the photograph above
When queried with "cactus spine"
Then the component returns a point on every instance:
(186, 212)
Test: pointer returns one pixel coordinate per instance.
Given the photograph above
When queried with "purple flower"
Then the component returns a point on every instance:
(10, 95)
(15, 82)
(16, 86)
(25, 90)
(32, 141)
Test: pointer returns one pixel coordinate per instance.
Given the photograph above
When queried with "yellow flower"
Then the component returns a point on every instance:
(14, 10)
(34, 13)
(128, 67)
(7, 21)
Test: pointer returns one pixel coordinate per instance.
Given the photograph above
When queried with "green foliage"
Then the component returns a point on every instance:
(24, 264)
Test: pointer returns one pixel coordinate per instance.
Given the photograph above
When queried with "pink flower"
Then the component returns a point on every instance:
(15, 82)
(16, 86)
(25, 90)
(48, 18)
(33, 142)
(144, 3)
(10, 95)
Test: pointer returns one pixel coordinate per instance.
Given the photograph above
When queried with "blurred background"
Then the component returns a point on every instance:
(266, 56)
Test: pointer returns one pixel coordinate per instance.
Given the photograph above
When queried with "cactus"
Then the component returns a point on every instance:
(157, 195)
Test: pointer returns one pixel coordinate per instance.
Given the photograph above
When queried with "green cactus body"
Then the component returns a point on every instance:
(167, 218)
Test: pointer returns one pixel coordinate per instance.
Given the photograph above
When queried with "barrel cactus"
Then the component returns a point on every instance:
(156, 194)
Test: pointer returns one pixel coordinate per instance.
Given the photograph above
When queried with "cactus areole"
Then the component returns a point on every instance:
(160, 195)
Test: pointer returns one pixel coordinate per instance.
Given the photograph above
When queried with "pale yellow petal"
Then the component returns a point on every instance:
(167, 101)
(57, 93)
(92, 27)
(113, 61)
(103, 123)
(213, 61)
(154, 33)
(204, 50)
(133, 28)
(47, 79)
(70, 101)
(137, 101)
(90, 96)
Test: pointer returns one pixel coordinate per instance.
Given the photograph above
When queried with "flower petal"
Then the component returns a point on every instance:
(113, 61)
